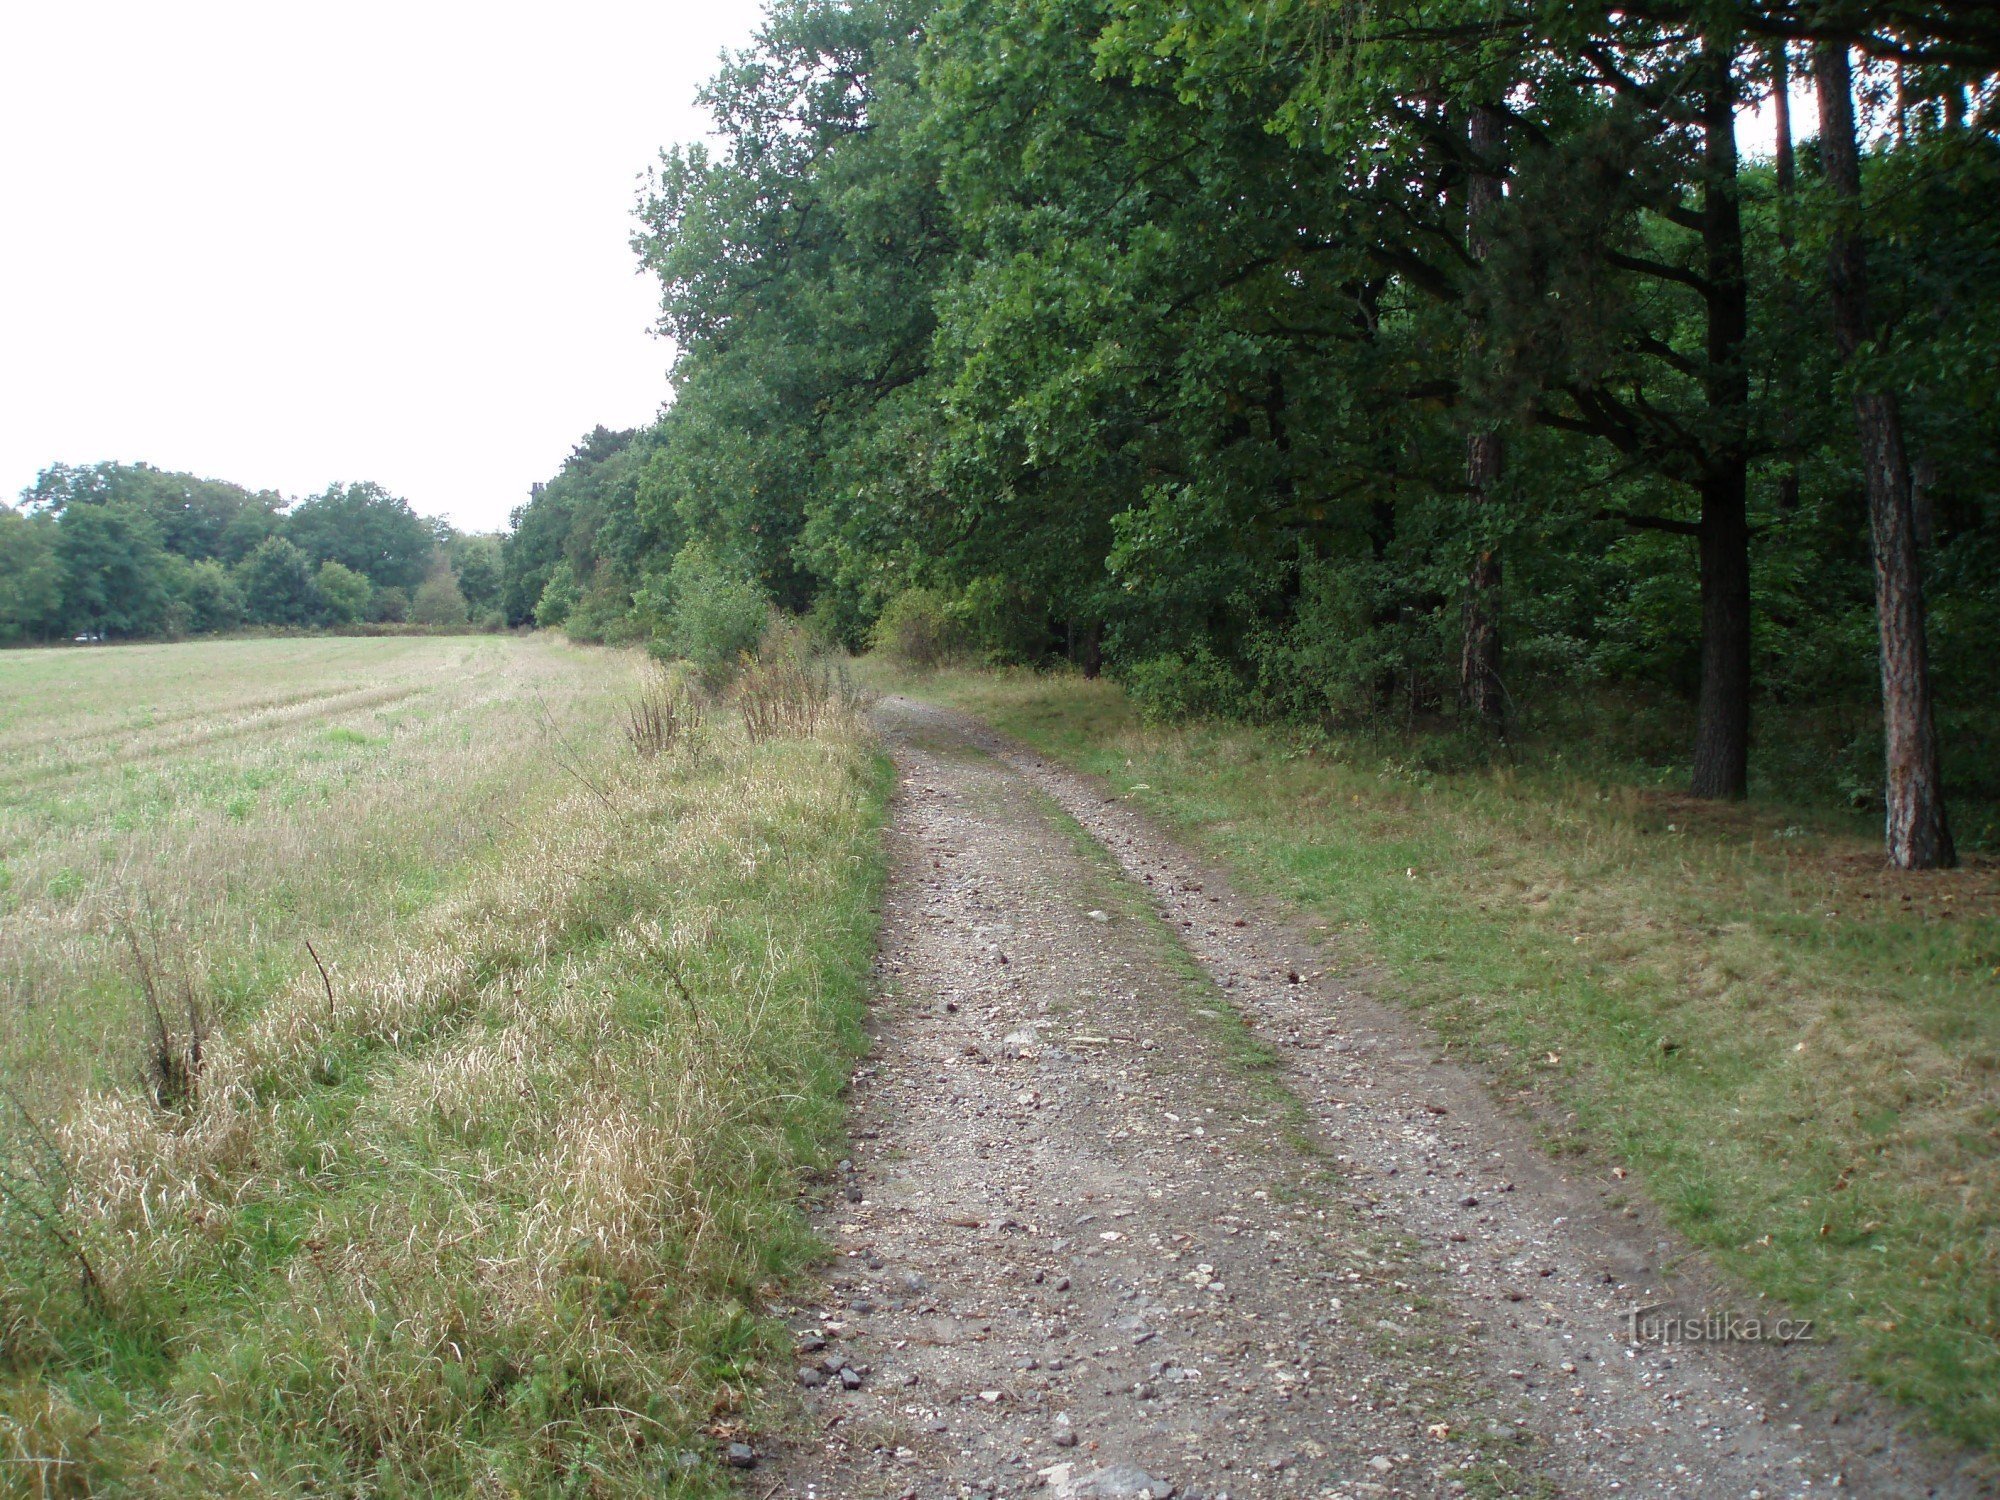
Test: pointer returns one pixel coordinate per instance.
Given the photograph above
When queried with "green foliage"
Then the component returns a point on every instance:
(584, 522)
(1178, 690)
(195, 518)
(367, 529)
(438, 601)
(277, 585)
(1153, 336)
(344, 594)
(129, 550)
(31, 579)
(114, 570)
(211, 601)
(710, 614)
(388, 606)
(479, 564)
(920, 628)
(557, 598)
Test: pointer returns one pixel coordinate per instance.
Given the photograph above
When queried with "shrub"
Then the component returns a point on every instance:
(1174, 689)
(344, 593)
(834, 625)
(277, 584)
(920, 629)
(389, 605)
(714, 615)
(1003, 622)
(559, 596)
(604, 614)
(438, 601)
(211, 598)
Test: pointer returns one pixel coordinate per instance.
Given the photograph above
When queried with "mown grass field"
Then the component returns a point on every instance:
(1794, 1051)
(485, 1209)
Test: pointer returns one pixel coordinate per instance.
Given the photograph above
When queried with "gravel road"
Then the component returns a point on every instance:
(1142, 1202)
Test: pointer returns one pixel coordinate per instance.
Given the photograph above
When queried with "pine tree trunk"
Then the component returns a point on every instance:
(1722, 718)
(1722, 728)
(1090, 649)
(1479, 691)
(1917, 833)
(1785, 167)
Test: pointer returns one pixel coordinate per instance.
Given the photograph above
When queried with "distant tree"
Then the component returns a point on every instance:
(364, 527)
(344, 593)
(277, 585)
(114, 571)
(438, 601)
(30, 577)
(209, 599)
(390, 606)
(246, 531)
(590, 516)
(558, 598)
(194, 517)
(477, 561)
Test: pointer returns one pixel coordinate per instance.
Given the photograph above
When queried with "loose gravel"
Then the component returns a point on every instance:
(1143, 1202)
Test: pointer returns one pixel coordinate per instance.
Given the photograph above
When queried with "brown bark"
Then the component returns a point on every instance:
(1722, 728)
(1479, 690)
(1786, 159)
(1085, 645)
(1786, 166)
(1923, 480)
(1722, 718)
(1917, 834)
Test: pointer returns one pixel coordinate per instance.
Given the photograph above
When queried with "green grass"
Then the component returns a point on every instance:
(498, 1218)
(1794, 1052)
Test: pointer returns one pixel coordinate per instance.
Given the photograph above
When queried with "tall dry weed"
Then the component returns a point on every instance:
(794, 695)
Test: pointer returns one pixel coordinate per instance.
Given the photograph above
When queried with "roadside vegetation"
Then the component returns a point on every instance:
(477, 1194)
(1794, 1051)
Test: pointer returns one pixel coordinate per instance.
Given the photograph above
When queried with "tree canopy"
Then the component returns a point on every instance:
(119, 550)
(1322, 361)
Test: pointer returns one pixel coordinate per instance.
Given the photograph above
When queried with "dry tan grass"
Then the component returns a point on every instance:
(325, 810)
(491, 1220)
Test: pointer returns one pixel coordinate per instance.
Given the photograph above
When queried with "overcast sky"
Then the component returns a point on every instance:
(289, 244)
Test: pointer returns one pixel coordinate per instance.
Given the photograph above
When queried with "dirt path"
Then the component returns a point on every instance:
(1141, 1204)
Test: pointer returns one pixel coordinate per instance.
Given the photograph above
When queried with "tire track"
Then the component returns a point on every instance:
(1096, 1240)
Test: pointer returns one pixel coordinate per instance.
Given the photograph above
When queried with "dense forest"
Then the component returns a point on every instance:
(121, 550)
(1415, 363)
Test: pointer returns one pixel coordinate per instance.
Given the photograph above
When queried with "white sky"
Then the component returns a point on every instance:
(288, 242)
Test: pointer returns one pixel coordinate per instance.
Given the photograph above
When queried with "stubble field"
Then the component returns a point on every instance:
(406, 1079)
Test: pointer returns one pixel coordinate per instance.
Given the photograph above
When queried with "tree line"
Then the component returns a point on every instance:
(126, 550)
(1413, 362)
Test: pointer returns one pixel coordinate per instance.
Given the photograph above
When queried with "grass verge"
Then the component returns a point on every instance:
(495, 1215)
(1796, 1052)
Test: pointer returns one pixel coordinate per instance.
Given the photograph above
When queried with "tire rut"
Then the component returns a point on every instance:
(1140, 1203)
